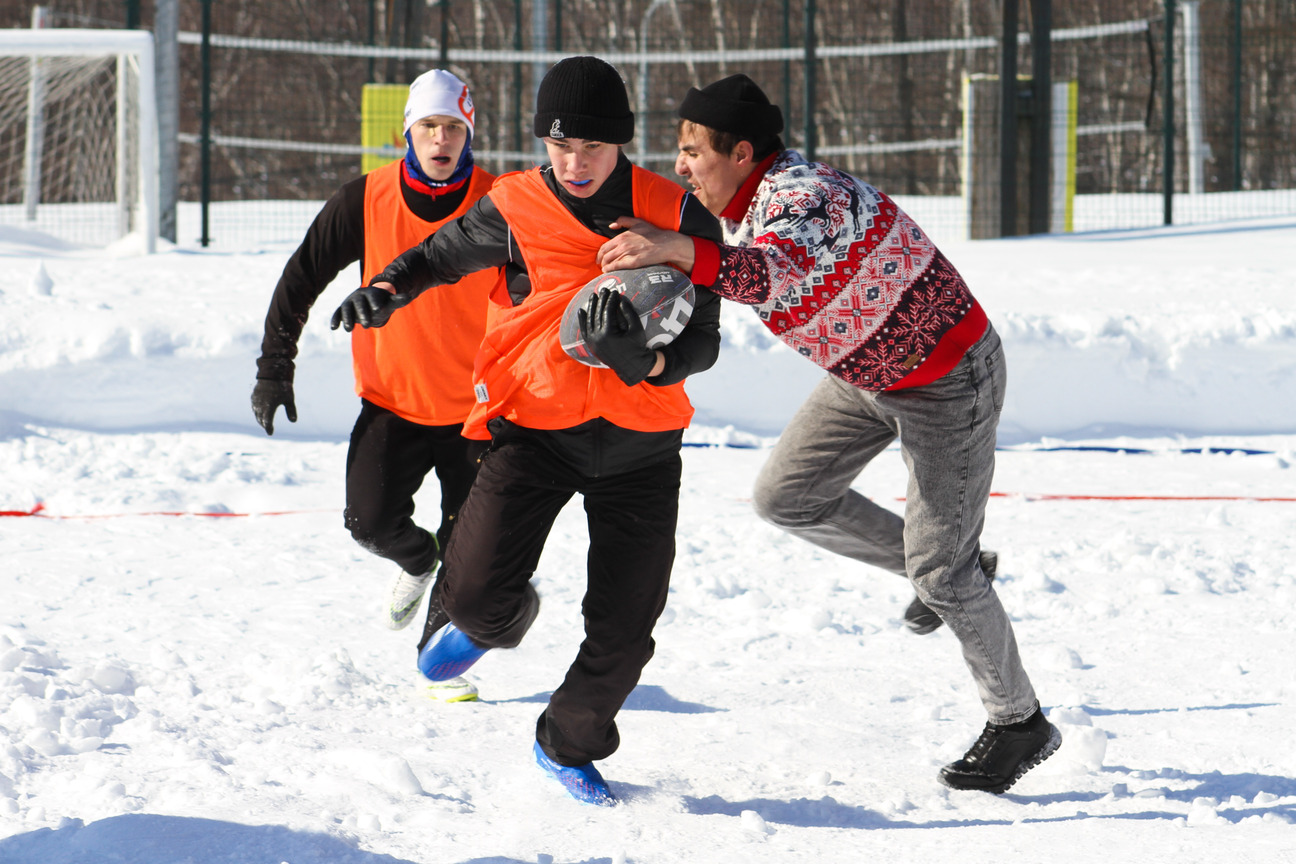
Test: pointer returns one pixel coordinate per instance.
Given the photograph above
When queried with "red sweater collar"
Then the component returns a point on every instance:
(737, 209)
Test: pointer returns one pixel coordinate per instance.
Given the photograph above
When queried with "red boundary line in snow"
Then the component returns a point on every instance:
(1037, 497)
(38, 510)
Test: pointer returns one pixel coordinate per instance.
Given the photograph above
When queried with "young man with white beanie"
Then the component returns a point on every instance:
(413, 378)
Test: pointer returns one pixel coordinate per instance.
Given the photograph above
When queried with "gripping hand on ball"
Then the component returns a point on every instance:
(369, 307)
(613, 332)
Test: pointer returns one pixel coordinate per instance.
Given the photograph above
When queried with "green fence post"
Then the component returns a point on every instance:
(1237, 95)
(369, 63)
(1008, 121)
(205, 134)
(519, 109)
(787, 66)
(810, 94)
(1168, 127)
(1041, 150)
(445, 34)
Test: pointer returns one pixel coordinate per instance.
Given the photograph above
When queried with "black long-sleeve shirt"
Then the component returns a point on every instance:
(334, 241)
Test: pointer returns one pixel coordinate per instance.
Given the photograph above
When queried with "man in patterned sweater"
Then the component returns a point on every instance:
(847, 279)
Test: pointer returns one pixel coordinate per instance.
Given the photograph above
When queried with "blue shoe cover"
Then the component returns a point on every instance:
(449, 656)
(584, 783)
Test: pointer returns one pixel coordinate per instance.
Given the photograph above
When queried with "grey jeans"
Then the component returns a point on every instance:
(947, 439)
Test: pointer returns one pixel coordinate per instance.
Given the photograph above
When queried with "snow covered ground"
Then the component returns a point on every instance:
(217, 688)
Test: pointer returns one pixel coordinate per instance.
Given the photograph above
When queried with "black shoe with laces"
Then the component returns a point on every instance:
(919, 617)
(1003, 754)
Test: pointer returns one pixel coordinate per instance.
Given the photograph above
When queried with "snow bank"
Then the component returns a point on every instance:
(1189, 330)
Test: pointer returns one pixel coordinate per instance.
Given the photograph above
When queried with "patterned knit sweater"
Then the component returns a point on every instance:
(844, 276)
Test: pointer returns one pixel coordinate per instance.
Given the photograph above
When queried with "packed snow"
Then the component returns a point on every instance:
(193, 668)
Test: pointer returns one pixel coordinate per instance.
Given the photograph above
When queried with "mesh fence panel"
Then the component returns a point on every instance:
(287, 123)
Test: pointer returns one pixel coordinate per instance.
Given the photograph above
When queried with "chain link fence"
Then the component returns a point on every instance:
(284, 85)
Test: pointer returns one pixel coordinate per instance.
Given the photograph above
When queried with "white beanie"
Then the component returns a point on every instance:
(439, 92)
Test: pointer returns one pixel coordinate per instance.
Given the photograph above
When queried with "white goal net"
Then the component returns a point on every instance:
(78, 135)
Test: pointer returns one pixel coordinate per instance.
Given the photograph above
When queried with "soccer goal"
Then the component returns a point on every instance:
(78, 134)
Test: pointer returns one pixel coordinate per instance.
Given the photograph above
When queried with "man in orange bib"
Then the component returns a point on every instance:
(557, 427)
(414, 377)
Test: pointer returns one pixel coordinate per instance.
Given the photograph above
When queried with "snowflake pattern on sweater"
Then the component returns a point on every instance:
(841, 274)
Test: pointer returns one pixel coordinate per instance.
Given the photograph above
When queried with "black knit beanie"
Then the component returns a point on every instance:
(735, 105)
(583, 97)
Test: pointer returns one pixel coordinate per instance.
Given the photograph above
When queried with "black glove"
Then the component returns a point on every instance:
(612, 330)
(368, 307)
(269, 394)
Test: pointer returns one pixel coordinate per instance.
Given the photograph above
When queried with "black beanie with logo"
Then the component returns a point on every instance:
(735, 105)
(583, 97)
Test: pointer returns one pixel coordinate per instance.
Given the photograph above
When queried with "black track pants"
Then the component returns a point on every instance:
(497, 542)
(386, 463)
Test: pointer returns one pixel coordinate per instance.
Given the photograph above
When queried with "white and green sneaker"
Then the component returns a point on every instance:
(452, 690)
(404, 599)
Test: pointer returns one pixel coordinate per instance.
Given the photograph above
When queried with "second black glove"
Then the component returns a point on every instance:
(267, 396)
(612, 330)
(368, 307)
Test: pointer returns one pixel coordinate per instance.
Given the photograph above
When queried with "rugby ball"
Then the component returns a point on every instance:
(663, 297)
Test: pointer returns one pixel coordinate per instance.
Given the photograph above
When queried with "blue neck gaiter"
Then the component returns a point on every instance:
(461, 172)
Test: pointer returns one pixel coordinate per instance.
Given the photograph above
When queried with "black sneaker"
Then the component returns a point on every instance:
(919, 617)
(1003, 754)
